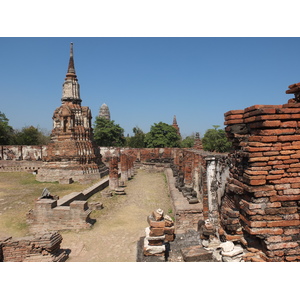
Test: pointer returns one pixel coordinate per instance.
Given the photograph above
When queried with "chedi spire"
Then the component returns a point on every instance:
(104, 112)
(71, 88)
(175, 125)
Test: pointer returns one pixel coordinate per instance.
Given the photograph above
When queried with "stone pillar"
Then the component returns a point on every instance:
(124, 167)
(113, 172)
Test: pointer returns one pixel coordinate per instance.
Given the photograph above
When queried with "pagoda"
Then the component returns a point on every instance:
(72, 155)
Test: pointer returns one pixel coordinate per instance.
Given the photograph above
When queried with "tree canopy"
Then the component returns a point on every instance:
(6, 131)
(107, 133)
(188, 142)
(30, 135)
(162, 135)
(215, 140)
(138, 140)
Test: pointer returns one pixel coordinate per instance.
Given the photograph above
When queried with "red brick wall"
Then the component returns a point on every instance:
(263, 192)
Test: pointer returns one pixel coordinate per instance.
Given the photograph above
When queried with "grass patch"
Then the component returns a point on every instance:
(18, 191)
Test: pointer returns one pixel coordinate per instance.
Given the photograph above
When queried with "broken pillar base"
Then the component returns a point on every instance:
(119, 191)
(106, 194)
(192, 200)
(95, 205)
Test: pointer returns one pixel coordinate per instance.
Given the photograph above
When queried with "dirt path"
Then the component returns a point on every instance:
(121, 223)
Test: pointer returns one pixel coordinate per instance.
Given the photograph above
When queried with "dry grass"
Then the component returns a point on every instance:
(119, 225)
(17, 194)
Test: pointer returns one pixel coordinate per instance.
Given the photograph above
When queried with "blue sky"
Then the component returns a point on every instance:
(147, 80)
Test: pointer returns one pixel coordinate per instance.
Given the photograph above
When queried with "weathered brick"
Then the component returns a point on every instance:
(257, 149)
(279, 132)
(264, 231)
(271, 177)
(283, 223)
(284, 180)
(282, 186)
(295, 185)
(287, 152)
(278, 238)
(290, 231)
(286, 124)
(275, 246)
(263, 139)
(234, 112)
(253, 223)
(291, 192)
(285, 198)
(259, 159)
(271, 153)
(256, 172)
(284, 138)
(293, 258)
(281, 210)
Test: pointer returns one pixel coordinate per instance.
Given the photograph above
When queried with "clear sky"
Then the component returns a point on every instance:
(147, 80)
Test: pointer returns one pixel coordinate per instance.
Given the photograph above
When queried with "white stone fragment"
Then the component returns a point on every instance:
(236, 251)
(227, 246)
(153, 249)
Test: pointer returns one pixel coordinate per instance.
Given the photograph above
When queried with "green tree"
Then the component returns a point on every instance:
(6, 131)
(30, 135)
(162, 135)
(188, 142)
(138, 140)
(215, 140)
(107, 133)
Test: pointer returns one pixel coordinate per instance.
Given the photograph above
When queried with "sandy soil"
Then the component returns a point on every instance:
(121, 223)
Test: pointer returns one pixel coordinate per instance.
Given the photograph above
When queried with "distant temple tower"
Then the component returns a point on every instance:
(176, 126)
(72, 154)
(198, 143)
(104, 112)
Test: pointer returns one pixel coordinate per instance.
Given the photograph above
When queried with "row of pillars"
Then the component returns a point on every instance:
(123, 162)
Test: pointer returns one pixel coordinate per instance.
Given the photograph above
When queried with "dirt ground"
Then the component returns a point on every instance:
(121, 223)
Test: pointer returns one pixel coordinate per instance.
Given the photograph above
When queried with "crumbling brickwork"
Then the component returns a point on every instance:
(261, 205)
(48, 216)
(40, 248)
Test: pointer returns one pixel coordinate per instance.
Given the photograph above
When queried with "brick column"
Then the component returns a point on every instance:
(113, 172)
(263, 192)
(187, 167)
(124, 167)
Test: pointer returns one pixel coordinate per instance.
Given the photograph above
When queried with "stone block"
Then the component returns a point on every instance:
(158, 214)
(169, 230)
(153, 223)
(156, 231)
(168, 221)
(196, 254)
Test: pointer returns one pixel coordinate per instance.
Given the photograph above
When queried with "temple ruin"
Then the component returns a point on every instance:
(241, 206)
(72, 154)
(104, 112)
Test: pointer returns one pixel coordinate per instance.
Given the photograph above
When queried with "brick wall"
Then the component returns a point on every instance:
(262, 197)
(40, 248)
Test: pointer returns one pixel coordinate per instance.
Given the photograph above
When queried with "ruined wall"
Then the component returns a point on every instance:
(47, 215)
(21, 158)
(201, 178)
(261, 205)
(40, 248)
(23, 152)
